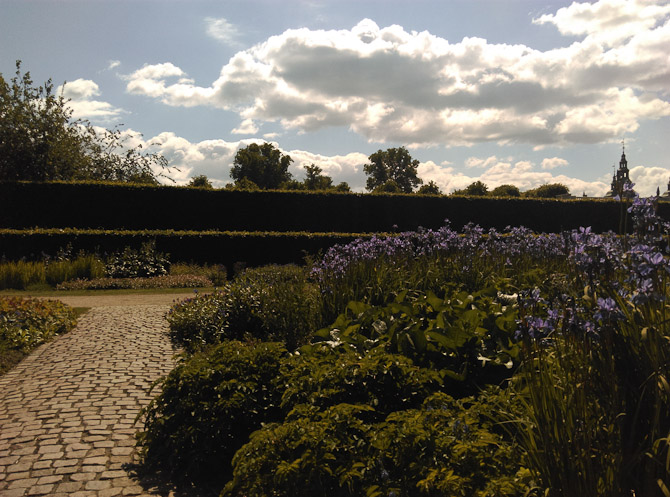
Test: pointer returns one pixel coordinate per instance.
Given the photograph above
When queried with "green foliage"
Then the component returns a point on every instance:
(388, 186)
(216, 273)
(315, 180)
(323, 376)
(476, 189)
(430, 188)
(83, 267)
(165, 281)
(200, 181)
(468, 337)
(443, 447)
(40, 142)
(27, 323)
(208, 406)
(19, 275)
(274, 303)
(264, 165)
(551, 190)
(394, 164)
(143, 263)
(505, 191)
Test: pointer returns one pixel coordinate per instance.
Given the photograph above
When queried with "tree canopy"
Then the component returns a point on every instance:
(476, 189)
(551, 190)
(264, 165)
(395, 164)
(39, 141)
(505, 191)
(200, 181)
(430, 188)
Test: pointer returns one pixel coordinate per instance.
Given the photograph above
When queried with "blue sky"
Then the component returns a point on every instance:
(522, 92)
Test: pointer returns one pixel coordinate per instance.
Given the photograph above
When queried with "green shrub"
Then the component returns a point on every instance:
(27, 323)
(444, 447)
(322, 376)
(209, 405)
(273, 303)
(216, 273)
(143, 263)
(167, 281)
(19, 275)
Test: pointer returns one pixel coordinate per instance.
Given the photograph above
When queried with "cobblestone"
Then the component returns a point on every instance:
(68, 411)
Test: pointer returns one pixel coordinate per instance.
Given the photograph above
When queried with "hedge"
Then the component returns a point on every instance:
(139, 207)
(252, 248)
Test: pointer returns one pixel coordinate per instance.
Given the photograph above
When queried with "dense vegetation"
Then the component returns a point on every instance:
(438, 363)
(27, 323)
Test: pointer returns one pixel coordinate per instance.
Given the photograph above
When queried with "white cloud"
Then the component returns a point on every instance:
(113, 64)
(471, 162)
(553, 163)
(391, 85)
(607, 21)
(222, 30)
(81, 93)
(247, 127)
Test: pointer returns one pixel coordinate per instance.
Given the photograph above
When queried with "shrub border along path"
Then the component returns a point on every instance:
(68, 411)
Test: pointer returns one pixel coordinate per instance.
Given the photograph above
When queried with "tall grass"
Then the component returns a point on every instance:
(20, 275)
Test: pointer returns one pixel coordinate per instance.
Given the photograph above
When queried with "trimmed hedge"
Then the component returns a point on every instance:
(252, 248)
(137, 207)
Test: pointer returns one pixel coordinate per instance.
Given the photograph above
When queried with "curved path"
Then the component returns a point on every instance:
(68, 411)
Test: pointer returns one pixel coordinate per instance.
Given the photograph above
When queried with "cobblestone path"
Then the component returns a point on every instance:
(67, 412)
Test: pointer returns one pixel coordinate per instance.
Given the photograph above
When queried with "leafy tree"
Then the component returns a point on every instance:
(394, 164)
(243, 184)
(343, 187)
(430, 188)
(39, 141)
(263, 164)
(389, 186)
(476, 189)
(551, 190)
(505, 191)
(200, 181)
(292, 185)
(315, 180)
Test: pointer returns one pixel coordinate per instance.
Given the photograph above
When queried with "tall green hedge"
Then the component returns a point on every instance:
(140, 207)
(254, 249)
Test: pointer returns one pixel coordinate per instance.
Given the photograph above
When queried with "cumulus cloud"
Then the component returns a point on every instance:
(393, 85)
(553, 163)
(81, 94)
(222, 30)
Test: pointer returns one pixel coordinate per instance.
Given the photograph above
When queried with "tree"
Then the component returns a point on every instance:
(200, 181)
(389, 186)
(39, 141)
(505, 191)
(394, 164)
(262, 164)
(430, 188)
(476, 189)
(315, 180)
(551, 190)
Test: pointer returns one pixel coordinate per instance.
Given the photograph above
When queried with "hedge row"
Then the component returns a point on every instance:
(254, 249)
(114, 206)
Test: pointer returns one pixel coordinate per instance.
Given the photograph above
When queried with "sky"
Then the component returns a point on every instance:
(520, 92)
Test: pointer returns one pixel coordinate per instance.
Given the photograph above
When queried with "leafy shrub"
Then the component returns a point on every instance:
(468, 337)
(322, 376)
(143, 263)
(209, 405)
(274, 303)
(27, 323)
(444, 447)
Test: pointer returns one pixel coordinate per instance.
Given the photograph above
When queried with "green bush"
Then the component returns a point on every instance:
(273, 303)
(444, 447)
(143, 263)
(27, 323)
(322, 376)
(209, 405)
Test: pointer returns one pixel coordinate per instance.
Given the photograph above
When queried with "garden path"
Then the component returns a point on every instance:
(68, 411)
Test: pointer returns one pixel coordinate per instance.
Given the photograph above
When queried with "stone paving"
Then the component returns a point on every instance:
(68, 411)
